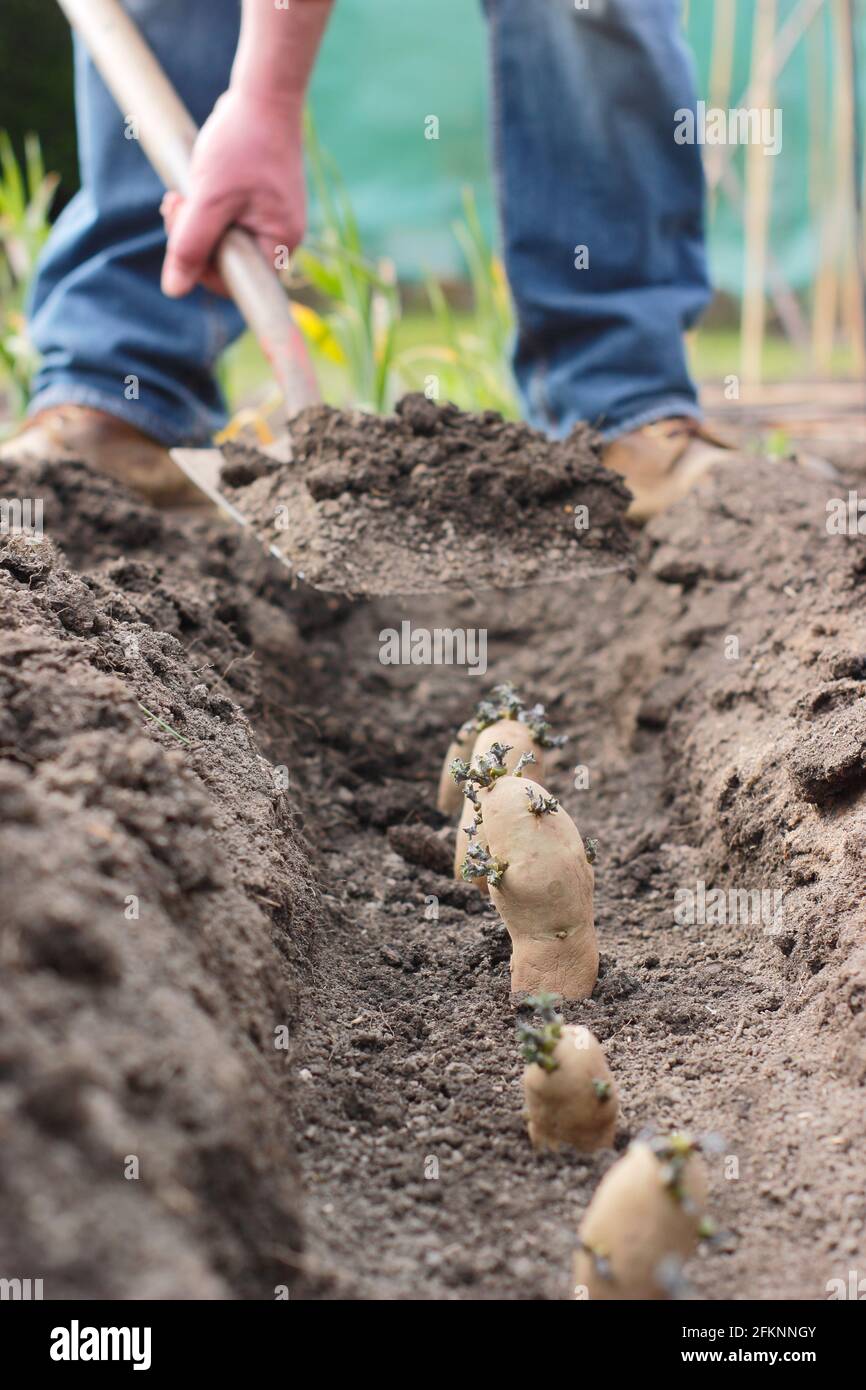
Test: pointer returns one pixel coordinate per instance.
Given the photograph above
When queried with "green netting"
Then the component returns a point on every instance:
(388, 65)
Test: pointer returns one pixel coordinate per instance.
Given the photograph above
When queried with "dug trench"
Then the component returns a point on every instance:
(255, 1040)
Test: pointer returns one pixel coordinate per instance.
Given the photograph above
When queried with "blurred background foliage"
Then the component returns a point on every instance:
(36, 85)
(399, 280)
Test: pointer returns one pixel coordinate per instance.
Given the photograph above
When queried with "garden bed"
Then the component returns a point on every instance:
(183, 727)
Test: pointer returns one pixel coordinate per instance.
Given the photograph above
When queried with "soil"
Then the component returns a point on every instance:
(279, 830)
(431, 499)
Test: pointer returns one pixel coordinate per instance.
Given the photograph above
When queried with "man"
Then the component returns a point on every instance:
(601, 214)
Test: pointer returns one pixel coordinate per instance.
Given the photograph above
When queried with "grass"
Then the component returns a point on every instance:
(355, 330)
(416, 341)
(162, 724)
(26, 195)
(714, 354)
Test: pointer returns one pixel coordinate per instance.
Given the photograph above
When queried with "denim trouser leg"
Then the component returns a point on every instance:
(98, 316)
(583, 106)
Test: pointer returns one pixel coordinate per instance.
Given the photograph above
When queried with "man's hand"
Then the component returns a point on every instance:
(247, 164)
(247, 171)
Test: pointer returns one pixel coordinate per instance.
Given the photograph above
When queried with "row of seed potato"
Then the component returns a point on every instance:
(517, 843)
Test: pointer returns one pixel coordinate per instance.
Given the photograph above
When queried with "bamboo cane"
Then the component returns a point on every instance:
(847, 160)
(783, 45)
(825, 295)
(721, 79)
(758, 204)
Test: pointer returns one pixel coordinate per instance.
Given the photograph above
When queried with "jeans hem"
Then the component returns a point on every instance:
(148, 422)
(672, 406)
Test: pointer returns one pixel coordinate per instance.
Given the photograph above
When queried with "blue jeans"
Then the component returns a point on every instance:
(588, 171)
(107, 334)
(583, 119)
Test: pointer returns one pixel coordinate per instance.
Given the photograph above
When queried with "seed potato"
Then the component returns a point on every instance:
(576, 1102)
(638, 1226)
(545, 897)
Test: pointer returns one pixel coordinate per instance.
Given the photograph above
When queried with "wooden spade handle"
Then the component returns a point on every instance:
(167, 134)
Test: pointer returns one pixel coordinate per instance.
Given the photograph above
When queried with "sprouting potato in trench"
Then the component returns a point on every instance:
(517, 740)
(502, 703)
(543, 888)
(570, 1093)
(645, 1219)
(449, 798)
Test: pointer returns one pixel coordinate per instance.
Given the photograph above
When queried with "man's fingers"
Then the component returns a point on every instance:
(212, 280)
(194, 232)
(170, 206)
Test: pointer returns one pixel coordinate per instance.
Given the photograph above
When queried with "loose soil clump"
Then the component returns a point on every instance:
(430, 499)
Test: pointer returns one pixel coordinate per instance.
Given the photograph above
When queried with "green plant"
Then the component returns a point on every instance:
(483, 772)
(162, 724)
(536, 721)
(673, 1152)
(26, 195)
(777, 444)
(503, 702)
(356, 329)
(473, 359)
